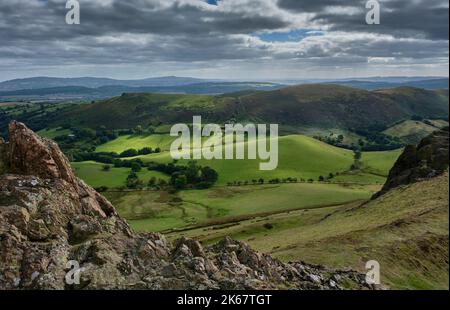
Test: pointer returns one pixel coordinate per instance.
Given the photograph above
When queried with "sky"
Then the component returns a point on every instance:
(224, 39)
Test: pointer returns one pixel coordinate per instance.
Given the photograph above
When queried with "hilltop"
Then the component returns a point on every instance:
(344, 107)
(320, 106)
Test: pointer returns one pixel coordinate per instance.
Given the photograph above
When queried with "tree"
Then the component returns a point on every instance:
(180, 182)
(129, 153)
(321, 178)
(209, 175)
(145, 151)
(152, 182)
(162, 183)
(133, 181)
(136, 167)
(138, 129)
(106, 167)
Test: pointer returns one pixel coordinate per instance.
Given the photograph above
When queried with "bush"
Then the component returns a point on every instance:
(129, 153)
(136, 167)
(268, 226)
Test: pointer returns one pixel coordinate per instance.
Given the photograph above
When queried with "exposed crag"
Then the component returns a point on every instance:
(426, 160)
(49, 217)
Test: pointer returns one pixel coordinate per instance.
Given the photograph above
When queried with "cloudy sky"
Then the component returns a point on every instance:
(230, 39)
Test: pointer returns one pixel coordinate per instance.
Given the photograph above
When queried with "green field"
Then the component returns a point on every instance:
(92, 173)
(300, 157)
(54, 132)
(379, 163)
(137, 142)
(157, 211)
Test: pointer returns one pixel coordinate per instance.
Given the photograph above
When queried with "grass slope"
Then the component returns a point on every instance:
(299, 156)
(410, 131)
(137, 142)
(406, 231)
(157, 211)
(379, 163)
(92, 173)
(317, 106)
(52, 133)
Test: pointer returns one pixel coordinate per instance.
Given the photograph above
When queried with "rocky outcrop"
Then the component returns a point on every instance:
(426, 160)
(53, 227)
(3, 157)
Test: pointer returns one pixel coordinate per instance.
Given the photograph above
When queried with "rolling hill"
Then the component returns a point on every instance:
(93, 82)
(343, 107)
(322, 106)
(404, 227)
(299, 156)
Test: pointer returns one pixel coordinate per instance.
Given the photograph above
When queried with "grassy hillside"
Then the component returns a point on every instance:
(52, 133)
(158, 211)
(130, 110)
(411, 132)
(379, 163)
(320, 106)
(342, 107)
(137, 142)
(299, 156)
(406, 231)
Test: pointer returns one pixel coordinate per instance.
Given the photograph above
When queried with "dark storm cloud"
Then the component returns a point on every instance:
(184, 33)
(420, 18)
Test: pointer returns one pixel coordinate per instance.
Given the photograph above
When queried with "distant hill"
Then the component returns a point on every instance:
(321, 106)
(103, 92)
(46, 88)
(328, 106)
(92, 82)
(441, 83)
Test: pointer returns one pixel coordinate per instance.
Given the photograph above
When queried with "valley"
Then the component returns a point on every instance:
(336, 150)
(323, 176)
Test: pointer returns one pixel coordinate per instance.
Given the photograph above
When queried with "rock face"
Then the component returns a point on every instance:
(50, 221)
(426, 160)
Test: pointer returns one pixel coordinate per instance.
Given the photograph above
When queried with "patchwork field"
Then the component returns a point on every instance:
(299, 157)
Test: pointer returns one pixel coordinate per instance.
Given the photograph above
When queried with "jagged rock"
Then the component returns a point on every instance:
(49, 218)
(3, 157)
(428, 159)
